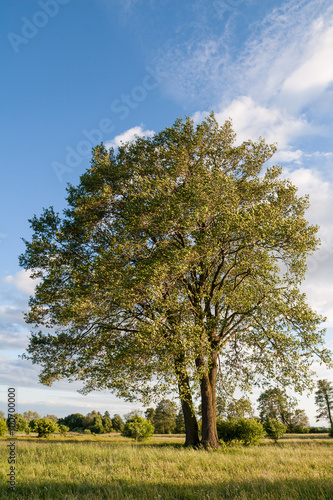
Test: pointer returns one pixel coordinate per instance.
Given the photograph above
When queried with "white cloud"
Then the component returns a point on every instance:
(252, 120)
(22, 282)
(313, 75)
(128, 136)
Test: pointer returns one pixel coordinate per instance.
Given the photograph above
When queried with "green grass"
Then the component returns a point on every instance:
(116, 468)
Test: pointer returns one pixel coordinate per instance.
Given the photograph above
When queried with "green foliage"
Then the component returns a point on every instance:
(3, 427)
(43, 426)
(87, 431)
(318, 430)
(149, 414)
(274, 403)
(180, 422)
(97, 425)
(239, 408)
(54, 418)
(63, 429)
(20, 422)
(138, 428)
(107, 424)
(164, 419)
(244, 430)
(30, 415)
(299, 422)
(324, 401)
(171, 252)
(117, 423)
(274, 429)
(73, 421)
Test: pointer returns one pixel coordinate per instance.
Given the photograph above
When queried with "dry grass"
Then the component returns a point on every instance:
(115, 468)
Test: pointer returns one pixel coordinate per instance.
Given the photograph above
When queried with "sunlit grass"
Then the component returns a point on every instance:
(99, 467)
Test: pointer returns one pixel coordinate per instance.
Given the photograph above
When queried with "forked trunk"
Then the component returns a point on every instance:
(208, 402)
(191, 424)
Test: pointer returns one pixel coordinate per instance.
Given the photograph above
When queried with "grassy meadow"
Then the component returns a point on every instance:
(113, 467)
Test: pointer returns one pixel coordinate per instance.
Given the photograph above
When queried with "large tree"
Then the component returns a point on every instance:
(177, 257)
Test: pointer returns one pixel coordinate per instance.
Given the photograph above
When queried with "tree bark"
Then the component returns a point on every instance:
(191, 424)
(208, 401)
(329, 409)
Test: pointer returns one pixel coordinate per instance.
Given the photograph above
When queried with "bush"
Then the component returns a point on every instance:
(245, 430)
(318, 430)
(3, 427)
(138, 428)
(44, 426)
(87, 431)
(331, 432)
(63, 429)
(274, 429)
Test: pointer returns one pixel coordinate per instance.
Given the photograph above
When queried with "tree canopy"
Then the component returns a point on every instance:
(178, 255)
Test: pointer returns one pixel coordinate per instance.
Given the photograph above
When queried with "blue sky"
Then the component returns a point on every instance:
(76, 72)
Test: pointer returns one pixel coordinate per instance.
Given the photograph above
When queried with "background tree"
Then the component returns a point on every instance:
(30, 415)
(54, 418)
(324, 400)
(20, 422)
(274, 428)
(180, 250)
(2, 415)
(3, 427)
(138, 428)
(96, 424)
(240, 408)
(299, 421)
(180, 422)
(74, 421)
(274, 403)
(164, 419)
(117, 423)
(149, 414)
(107, 424)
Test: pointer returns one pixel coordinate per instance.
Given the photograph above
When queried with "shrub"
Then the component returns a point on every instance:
(138, 428)
(3, 427)
(245, 430)
(63, 429)
(331, 432)
(318, 430)
(249, 430)
(87, 431)
(44, 426)
(274, 429)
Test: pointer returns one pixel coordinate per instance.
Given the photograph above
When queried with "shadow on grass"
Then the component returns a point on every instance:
(305, 489)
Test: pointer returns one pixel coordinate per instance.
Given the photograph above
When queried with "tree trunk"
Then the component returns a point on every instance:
(191, 424)
(208, 402)
(329, 410)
